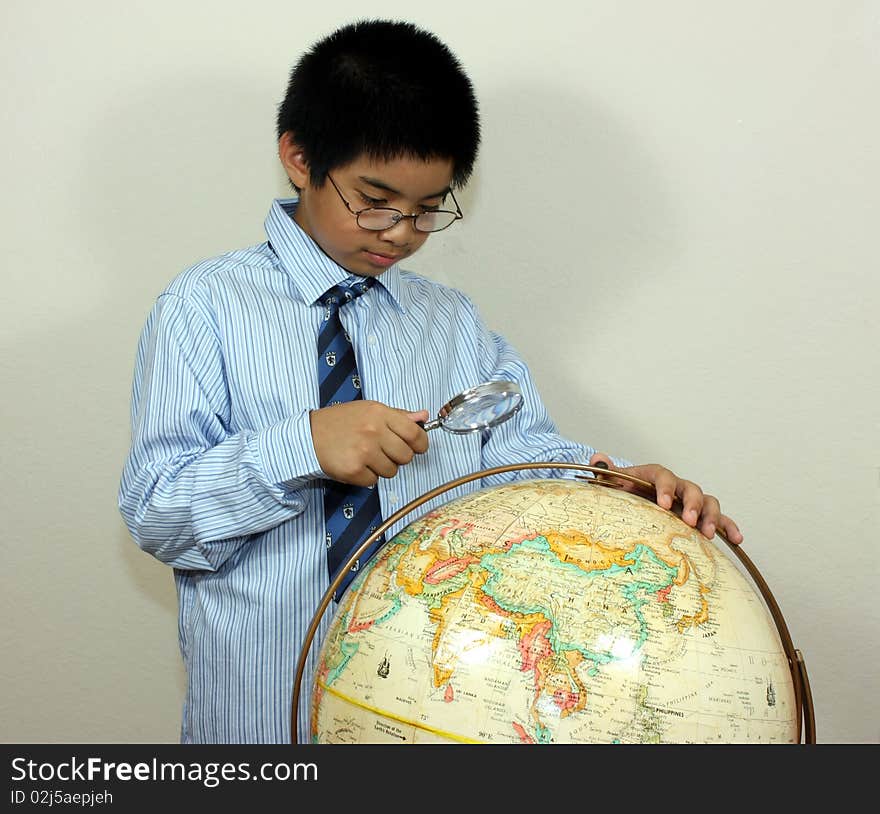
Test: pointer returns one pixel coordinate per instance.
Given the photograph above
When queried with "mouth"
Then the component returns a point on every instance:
(382, 259)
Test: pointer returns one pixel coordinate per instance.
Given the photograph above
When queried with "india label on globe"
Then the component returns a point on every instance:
(552, 611)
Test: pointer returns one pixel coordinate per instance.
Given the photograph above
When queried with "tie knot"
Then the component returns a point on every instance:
(341, 294)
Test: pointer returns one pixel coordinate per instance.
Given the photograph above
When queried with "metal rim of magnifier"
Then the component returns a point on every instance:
(499, 388)
(806, 720)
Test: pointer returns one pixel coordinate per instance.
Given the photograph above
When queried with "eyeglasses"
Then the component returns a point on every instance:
(380, 218)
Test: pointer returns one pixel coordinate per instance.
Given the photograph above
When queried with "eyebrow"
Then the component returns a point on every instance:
(375, 182)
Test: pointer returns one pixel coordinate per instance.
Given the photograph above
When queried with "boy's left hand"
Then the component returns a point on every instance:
(699, 510)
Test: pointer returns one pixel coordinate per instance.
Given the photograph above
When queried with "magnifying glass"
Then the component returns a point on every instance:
(478, 408)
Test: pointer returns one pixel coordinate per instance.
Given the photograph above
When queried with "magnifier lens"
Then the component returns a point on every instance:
(481, 412)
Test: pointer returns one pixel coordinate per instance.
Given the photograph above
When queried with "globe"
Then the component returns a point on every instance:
(552, 610)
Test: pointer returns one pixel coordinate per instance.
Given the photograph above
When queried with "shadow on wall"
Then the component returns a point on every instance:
(571, 210)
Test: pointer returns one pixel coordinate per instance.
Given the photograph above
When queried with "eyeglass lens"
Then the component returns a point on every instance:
(379, 219)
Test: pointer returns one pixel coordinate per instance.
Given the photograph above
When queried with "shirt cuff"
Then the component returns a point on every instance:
(287, 452)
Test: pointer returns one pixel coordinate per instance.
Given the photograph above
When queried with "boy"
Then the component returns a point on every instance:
(251, 459)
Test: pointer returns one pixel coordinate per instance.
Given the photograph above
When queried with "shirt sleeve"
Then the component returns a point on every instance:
(192, 492)
(530, 436)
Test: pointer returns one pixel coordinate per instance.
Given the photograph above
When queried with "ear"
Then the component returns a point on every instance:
(293, 160)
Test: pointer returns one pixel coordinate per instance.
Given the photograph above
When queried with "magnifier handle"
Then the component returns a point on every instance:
(429, 425)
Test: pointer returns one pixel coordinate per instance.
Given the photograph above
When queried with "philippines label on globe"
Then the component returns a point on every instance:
(552, 611)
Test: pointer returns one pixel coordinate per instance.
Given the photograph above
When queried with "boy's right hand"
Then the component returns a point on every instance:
(360, 441)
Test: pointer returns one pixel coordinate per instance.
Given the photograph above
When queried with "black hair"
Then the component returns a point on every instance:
(385, 89)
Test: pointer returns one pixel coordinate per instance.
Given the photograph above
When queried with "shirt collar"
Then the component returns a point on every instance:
(312, 271)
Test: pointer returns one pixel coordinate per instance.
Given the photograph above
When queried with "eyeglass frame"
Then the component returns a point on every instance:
(402, 215)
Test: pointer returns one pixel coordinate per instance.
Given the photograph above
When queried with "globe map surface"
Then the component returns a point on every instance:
(552, 611)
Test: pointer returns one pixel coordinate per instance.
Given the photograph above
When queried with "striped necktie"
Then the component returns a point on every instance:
(351, 513)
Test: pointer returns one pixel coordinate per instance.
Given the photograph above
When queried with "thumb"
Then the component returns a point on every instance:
(419, 416)
(600, 459)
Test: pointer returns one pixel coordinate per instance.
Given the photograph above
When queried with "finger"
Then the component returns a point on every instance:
(692, 501)
(730, 530)
(363, 477)
(420, 417)
(381, 465)
(601, 460)
(419, 444)
(665, 485)
(396, 448)
(709, 516)
(406, 427)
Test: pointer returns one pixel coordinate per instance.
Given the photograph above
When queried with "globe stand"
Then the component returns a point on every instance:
(806, 721)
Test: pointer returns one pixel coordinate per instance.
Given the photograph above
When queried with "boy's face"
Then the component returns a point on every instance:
(408, 184)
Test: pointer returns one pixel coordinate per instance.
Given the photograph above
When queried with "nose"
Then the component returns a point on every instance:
(402, 233)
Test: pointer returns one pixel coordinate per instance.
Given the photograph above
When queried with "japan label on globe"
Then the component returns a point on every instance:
(552, 611)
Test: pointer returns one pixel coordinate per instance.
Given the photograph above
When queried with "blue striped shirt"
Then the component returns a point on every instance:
(222, 482)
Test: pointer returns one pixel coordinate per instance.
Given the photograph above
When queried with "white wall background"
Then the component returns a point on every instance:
(674, 218)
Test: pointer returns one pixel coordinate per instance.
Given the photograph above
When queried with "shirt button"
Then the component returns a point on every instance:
(371, 340)
(392, 498)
